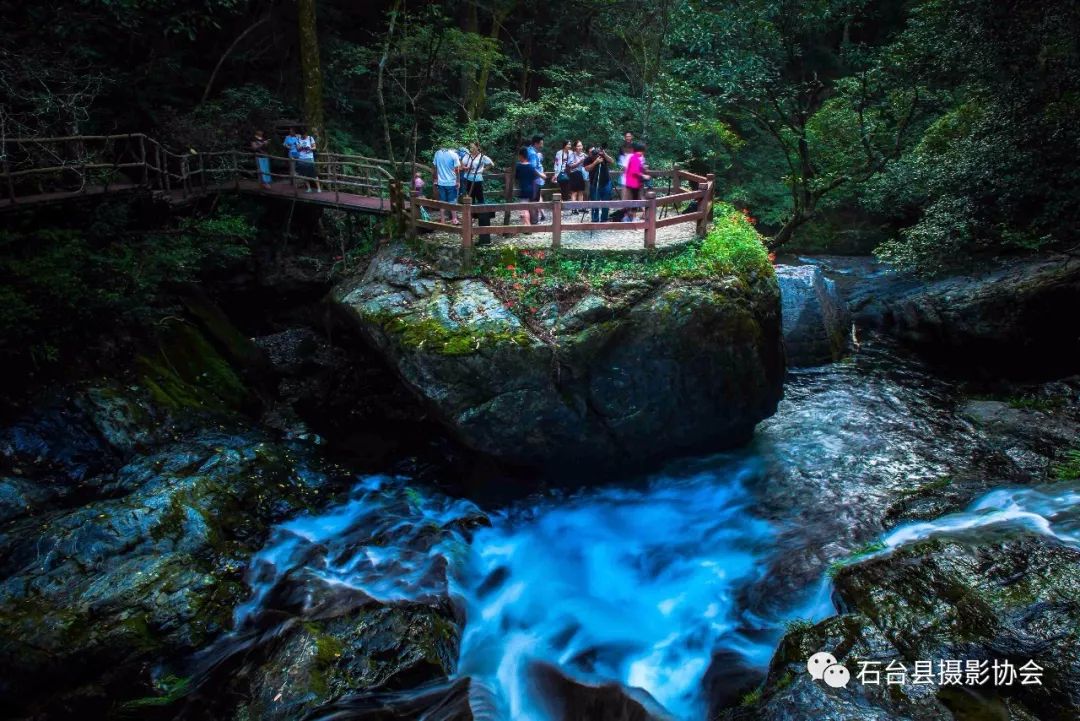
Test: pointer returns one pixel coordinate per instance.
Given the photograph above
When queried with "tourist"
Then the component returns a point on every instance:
(262, 160)
(596, 165)
(562, 172)
(536, 158)
(625, 153)
(472, 182)
(526, 175)
(635, 178)
(292, 139)
(579, 177)
(305, 162)
(446, 167)
(417, 185)
(472, 172)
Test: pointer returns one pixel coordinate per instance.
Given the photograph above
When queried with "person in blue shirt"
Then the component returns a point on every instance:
(445, 171)
(291, 141)
(536, 158)
(526, 175)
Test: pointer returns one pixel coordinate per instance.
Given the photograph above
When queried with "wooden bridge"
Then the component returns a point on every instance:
(40, 171)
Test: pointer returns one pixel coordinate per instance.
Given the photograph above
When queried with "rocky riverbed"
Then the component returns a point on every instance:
(181, 541)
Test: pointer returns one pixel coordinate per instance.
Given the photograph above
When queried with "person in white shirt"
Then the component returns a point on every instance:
(562, 172)
(305, 163)
(472, 184)
(445, 171)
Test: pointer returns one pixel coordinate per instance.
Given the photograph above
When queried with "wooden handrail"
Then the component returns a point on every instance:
(195, 174)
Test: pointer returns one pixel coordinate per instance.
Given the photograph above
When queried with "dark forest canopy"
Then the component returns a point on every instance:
(940, 127)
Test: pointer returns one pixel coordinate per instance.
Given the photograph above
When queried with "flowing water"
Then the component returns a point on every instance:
(665, 583)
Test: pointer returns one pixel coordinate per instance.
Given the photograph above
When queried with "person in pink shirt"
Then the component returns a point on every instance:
(634, 179)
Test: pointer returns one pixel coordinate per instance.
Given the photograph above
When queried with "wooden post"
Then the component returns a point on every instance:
(673, 185)
(157, 166)
(556, 220)
(508, 194)
(202, 172)
(142, 159)
(650, 219)
(705, 206)
(165, 170)
(414, 216)
(236, 170)
(333, 181)
(466, 226)
(292, 177)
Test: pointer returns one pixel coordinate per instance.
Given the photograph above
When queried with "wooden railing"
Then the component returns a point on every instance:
(653, 209)
(63, 167)
(35, 167)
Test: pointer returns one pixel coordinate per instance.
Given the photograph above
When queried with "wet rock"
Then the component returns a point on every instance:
(355, 600)
(1006, 597)
(685, 365)
(1014, 318)
(1034, 433)
(817, 325)
(566, 698)
(125, 537)
(379, 649)
(460, 700)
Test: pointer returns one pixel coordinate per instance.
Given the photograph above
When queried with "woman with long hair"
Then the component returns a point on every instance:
(562, 172)
(579, 177)
(472, 184)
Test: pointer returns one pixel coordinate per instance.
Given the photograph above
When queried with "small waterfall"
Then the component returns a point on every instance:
(1048, 510)
(387, 543)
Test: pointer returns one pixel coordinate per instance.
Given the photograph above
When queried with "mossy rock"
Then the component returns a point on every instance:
(640, 370)
(188, 374)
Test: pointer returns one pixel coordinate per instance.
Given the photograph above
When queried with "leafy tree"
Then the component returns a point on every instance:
(836, 110)
(996, 168)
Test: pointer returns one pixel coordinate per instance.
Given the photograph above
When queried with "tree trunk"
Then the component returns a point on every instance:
(478, 99)
(310, 70)
(379, 84)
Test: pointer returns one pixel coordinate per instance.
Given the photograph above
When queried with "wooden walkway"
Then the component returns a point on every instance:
(42, 171)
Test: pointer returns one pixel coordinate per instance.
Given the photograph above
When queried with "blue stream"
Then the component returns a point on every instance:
(645, 583)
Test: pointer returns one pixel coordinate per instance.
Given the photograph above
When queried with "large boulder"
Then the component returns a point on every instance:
(1016, 318)
(817, 324)
(634, 369)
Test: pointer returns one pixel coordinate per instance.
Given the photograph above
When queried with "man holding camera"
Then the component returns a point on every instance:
(598, 166)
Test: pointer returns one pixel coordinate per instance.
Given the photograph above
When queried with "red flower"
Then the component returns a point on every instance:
(540, 254)
(538, 270)
(518, 286)
(532, 309)
(511, 267)
(337, 257)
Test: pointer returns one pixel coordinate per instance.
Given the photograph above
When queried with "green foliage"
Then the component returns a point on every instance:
(862, 552)
(171, 688)
(530, 279)
(59, 283)
(751, 698)
(224, 122)
(991, 172)
(1069, 468)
